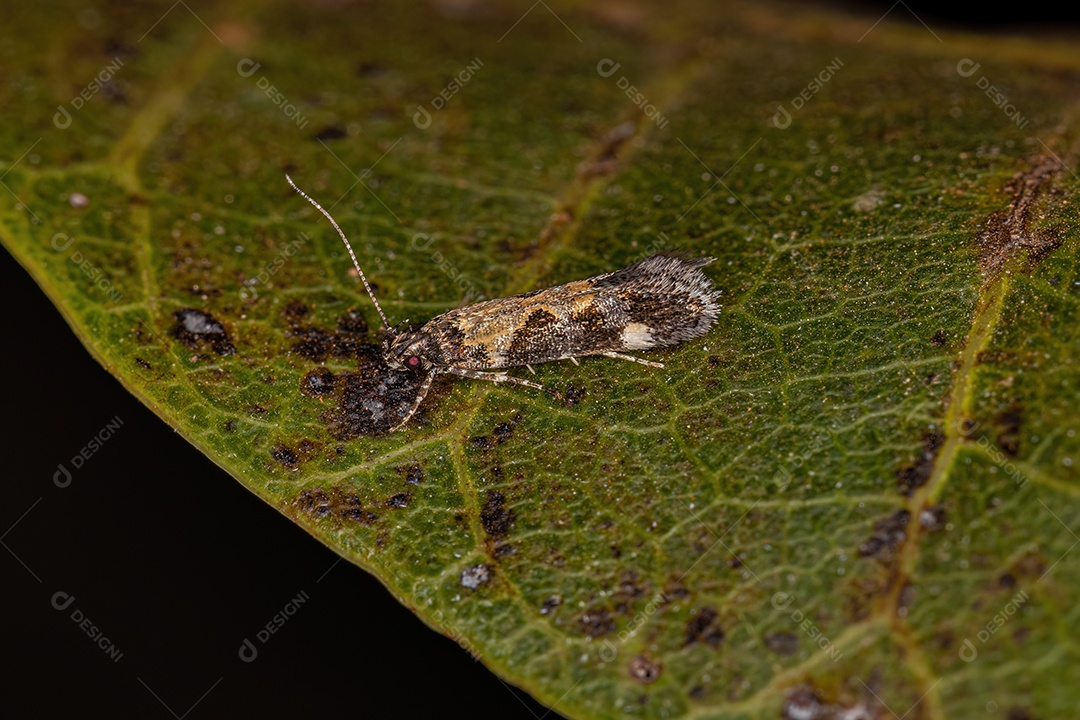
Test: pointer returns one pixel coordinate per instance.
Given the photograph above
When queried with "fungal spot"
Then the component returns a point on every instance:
(373, 400)
(344, 506)
(782, 643)
(414, 475)
(195, 329)
(939, 339)
(503, 432)
(475, 576)
(295, 311)
(802, 703)
(915, 476)
(1008, 431)
(574, 395)
(596, 623)
(644, 670)
(142, 363)
(229, 426)
(503, 550)
(331, 132)
(352, 323)
(317, 383)
(703, 628)
(482, 442)
(932, 518)
(285, 456)
(714, 361)
(889, 534)
(494, 516)
(1009, 229)
(551, 602)
(401, 500)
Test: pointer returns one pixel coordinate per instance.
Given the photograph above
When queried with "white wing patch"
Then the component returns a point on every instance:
(636, 336)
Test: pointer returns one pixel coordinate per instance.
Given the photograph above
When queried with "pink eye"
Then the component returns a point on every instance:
(413, 361)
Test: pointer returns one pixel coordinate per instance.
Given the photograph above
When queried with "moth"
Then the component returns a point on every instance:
(662, 300)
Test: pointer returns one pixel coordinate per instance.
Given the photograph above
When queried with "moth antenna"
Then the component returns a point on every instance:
(348, 246)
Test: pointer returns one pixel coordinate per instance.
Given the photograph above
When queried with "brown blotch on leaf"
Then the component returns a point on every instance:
(703, 628)
(197, 329)
(889, 534)
(414, 475)
(550, 603)
(596, 622)
(319, 503)
(574, 395)
(645, 670)
(494, 516)
(284, 455)
(939, 338)
(142, 363)
(1008, 431)
(914, 476)
(481, 442)
(400, 500)
(503, 432)
(318, 382)
(1009, 229)
(932, 518)
(373, 400)
(331, 132)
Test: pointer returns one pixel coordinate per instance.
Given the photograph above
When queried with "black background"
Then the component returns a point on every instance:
(177, 563)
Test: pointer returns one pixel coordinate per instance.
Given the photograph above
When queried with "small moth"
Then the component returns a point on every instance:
(661, 300)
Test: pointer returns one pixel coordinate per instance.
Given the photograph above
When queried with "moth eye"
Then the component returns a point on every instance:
(413, 361)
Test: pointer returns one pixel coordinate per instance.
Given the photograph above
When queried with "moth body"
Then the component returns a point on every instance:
(662, 300)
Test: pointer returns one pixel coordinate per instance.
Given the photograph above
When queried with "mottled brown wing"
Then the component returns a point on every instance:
(662, 300)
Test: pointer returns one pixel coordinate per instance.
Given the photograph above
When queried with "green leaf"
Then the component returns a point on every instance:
(860, 489)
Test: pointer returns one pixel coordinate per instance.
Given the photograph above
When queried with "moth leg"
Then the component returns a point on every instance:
(497, 377)
(424, 387)
(631, 358)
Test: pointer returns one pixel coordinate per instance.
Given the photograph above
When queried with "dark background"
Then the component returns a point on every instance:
(177, 563)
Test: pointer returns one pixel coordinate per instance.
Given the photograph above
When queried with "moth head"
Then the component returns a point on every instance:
(409, 350)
